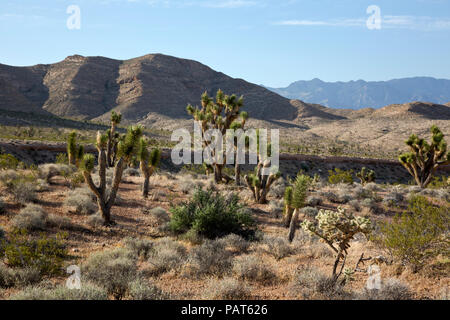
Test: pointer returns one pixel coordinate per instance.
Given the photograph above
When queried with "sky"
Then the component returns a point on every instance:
(269, 42)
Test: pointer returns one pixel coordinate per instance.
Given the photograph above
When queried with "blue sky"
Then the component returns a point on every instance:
(270, 42)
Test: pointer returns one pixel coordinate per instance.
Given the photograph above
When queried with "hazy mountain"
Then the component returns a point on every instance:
(90, 87)
(373, 94)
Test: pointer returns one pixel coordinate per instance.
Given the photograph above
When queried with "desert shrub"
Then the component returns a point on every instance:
(277, 188)
(111, 269)
(391, 289)
(8, 161)
(417, 234)
(166, 255)
(88, 291)
(141, 289)
(211, 216)
(60, 222)
(443, 194)
(369, 204)
(131, 172)
(278, 247)
(393, 198)
(372, 187)
(49, 170)
(140, 247)
(210, 258)
(340, 176)
(355, 205)
(44, 254)
(2, 206)
(310, 284)
(159, 214)
(236, 242)
(82, 200)
(313, 201)
(95, 220)
(309, 211)
(253, 269)
(18, 277)
(226, 289)
(276, 206)
(32, 217)
(24, 192)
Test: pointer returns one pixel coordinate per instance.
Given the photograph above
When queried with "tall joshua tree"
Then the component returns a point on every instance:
(219, 115)
(148, 162)
(126, 149)
(235, 126)
(113, 137)
(425, 158)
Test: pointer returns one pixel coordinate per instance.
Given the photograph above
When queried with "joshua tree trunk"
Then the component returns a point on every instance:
(110, 146)
(287, 216)
(237, 172)
(293, 225)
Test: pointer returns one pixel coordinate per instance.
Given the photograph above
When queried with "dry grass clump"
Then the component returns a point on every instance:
(391, 289)
(226, 289)
(95, 220)
(372, 186)
(165, 255)
(131, 172)
(112, 270)
(18, 277)
(32, 217)
(253, 269)
(139, 247)
(81, 200)
(313, 201)
(210, 258)
(355, 205)
(235, 242)
(277, 189)
(141, 289)
(310, 284)
(310, 211)
(49, 170)
(278, 247)
(88, 291)
(53, 220)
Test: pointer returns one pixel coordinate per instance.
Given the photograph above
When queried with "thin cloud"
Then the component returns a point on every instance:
(387, 21)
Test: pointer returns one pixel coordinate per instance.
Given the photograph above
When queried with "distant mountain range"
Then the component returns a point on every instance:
(373, 94)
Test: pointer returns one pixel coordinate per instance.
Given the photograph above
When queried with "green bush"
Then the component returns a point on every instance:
(417, 234)
(210, 215)
(340, 176)
(8, 161)
(43, 253)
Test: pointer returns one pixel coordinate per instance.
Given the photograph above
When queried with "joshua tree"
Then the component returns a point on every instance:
(299, 193)
(148, 162)
(424, 158)
(75, 152)
(288, 210)
(235, 126)
(366, 176)
(113, 137)
(337, 229)
(217, 115)
(127, 148)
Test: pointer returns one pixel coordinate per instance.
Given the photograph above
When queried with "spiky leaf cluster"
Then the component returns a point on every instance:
(337, 227)
(130, 143)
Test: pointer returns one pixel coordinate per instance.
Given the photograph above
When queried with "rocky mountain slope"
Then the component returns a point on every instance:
(373, 94)
(148, 86)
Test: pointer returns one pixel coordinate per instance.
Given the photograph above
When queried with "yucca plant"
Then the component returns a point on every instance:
(113, 138)
(75, 152)
(235, 126)
(366, 175)
(425, 158)
(148, 162)
(300, 190)
(127, 149)
(219, 115)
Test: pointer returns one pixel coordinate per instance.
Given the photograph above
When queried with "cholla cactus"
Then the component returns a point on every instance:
(217, 115)
(299, 193)
(113, 138)
(127, 148)
(288, 209)
(337, 229)
(424, 158)
(148, 162)
(366, 176)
